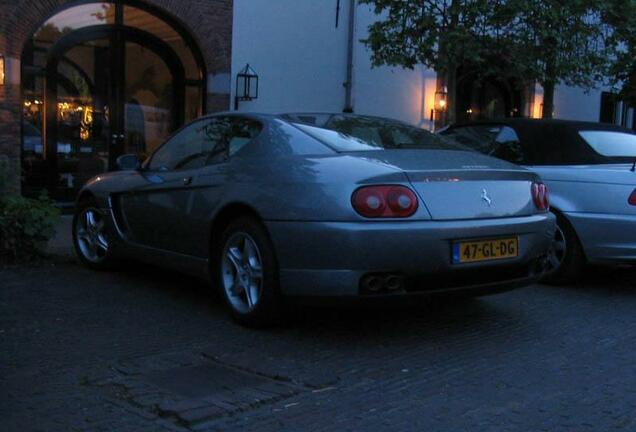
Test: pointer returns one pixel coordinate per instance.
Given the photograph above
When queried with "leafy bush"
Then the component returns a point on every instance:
(26, 225)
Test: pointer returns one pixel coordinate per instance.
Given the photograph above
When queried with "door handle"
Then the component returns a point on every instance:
(187, 181)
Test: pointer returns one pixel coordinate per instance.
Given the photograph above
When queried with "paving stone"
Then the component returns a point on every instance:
(78, 348)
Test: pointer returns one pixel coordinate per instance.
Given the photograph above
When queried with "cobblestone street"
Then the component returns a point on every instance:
(147, 350)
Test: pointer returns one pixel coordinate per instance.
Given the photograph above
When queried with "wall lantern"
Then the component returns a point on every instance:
(1, 70)
(441, 100)
(440, 104)
(246, 86)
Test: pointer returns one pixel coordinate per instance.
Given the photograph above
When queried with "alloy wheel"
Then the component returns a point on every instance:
(242, 272)
(557, 251)
(90, 235)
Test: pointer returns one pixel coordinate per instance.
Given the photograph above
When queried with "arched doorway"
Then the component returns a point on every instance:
(101, 80)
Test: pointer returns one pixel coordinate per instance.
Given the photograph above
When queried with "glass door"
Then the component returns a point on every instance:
(108, 93)
(150, 100)
(82, 115)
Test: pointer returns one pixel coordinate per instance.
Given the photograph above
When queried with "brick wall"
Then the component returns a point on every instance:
(208, 21)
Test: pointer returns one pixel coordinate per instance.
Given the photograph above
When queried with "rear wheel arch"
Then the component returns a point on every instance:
(574, 259)
(561, 216)
(229, 213)
(562, 219)
(86, 195)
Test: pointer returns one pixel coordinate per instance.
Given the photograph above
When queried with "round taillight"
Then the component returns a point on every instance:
(540, 196)
(384, 201)
(632, 198)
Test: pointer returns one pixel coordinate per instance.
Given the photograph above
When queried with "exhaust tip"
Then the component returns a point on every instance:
(381, 283)
(393, 283)
(371, 284)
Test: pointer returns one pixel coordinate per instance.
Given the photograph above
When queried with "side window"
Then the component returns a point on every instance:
(205, 142)
(241, 132)
(193, 146)
(493, 140)
(508, 146)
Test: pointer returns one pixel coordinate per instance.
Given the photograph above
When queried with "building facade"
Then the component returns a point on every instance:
(300, 50)
(86, 81)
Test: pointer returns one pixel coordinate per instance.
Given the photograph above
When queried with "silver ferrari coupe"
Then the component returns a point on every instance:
(274, 207)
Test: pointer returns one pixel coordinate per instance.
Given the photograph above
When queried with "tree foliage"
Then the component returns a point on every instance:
(441, 35)
(437, 34)
(620, 15)
(560, 42)
(547, 41)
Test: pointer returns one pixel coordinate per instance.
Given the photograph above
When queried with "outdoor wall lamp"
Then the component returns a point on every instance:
(440, 103)
(441, 100)
(1, 70)
(246, 86)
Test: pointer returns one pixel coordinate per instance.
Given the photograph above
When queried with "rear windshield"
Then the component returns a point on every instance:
(497, 141)
(358, 133)
(611, 143)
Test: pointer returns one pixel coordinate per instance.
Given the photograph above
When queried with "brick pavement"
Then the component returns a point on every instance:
(146, 350)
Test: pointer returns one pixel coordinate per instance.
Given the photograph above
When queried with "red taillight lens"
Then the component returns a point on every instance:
(632, 198)
(384, 201)
(540, 196)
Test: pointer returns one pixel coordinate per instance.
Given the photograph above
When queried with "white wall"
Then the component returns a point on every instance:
(398, 93)
(573, 103)
(296, 50)
(301, 59)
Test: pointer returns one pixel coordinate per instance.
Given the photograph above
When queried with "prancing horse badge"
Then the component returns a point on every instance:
(485, 197)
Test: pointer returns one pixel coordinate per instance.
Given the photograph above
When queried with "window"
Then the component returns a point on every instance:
(608, 107)
(493, 140)
(189, 148)
(205, 142)
(358, 133)
(610, 143)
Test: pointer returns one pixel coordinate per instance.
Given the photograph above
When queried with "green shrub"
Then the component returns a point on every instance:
(26, 225)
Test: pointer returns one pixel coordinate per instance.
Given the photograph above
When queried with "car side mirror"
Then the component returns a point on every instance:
(128, 162)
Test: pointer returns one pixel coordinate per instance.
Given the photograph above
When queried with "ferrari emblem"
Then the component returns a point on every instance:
(485, 198)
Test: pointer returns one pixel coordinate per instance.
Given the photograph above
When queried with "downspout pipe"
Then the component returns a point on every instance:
(348, 84)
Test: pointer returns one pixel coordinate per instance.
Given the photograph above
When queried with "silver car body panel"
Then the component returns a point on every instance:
(594, 199)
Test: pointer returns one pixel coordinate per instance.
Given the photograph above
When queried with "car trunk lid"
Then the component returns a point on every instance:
(464, 185)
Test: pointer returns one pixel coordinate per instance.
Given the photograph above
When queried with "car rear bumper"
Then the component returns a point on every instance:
(329, 259)
(606, 237)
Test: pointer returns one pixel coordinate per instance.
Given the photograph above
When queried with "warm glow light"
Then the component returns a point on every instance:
(1, 70)
(428, 99)
(86, 124)
(537, 107)
(441, 99)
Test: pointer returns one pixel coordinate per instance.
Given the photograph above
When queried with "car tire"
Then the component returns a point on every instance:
(566, 258)
(90, 240)
(247, 273)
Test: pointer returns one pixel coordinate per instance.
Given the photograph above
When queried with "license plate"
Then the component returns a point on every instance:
(485, 250)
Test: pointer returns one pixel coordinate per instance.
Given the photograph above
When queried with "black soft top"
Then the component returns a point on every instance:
(553, 142)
